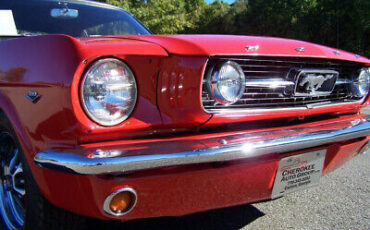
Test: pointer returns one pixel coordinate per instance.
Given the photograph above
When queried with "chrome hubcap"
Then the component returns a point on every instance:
(12, 189)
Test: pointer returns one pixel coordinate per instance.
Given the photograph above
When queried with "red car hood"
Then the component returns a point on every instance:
(208, 45)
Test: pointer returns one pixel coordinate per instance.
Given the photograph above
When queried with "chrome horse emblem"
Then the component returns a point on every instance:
(314, 82)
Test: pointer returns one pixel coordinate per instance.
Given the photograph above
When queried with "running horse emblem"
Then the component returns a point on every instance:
(314, 82)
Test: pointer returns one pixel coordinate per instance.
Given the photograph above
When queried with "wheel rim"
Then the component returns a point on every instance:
(12, 188)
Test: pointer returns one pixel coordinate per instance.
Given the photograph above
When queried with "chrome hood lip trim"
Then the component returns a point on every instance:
(296, 140)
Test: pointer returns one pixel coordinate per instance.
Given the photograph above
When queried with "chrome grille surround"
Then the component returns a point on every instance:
(271, 82)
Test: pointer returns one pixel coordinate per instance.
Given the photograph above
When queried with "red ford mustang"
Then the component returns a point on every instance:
(99, 118)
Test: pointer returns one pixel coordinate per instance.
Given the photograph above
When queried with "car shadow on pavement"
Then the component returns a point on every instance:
(228, 218)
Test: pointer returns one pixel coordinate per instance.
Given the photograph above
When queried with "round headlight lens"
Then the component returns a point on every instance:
(362, 83)
(109, 92)
(227, 83)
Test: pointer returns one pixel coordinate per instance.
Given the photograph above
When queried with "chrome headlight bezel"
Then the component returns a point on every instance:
(129, 74)
(214, 78)
(361, 83)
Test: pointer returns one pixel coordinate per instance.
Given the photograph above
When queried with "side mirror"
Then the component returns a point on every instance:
(64, 13)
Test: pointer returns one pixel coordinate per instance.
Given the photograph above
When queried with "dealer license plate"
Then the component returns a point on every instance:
(298, 172)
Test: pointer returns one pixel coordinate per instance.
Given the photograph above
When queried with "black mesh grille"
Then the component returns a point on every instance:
(277, 68)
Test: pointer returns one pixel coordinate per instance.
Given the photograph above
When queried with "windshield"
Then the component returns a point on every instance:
(74, 17)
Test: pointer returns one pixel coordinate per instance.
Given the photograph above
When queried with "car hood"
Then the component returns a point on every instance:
(212, 45)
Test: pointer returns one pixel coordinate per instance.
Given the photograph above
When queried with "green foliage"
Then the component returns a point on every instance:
(215, 18)
(164, 16)
(343, 24)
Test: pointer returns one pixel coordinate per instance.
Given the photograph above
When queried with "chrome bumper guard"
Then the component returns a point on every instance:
(233, 147)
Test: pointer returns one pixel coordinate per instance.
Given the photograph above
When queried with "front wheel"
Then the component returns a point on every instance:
(22, 206)
(12, 189)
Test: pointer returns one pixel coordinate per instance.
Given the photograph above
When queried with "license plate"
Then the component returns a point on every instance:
(298, 172)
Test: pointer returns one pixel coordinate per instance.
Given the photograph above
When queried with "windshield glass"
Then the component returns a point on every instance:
(73, 17)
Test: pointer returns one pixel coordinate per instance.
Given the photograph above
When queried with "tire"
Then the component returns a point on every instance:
(38, 212)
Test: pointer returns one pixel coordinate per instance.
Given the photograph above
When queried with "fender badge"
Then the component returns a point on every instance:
(33, 96)
(300, 49)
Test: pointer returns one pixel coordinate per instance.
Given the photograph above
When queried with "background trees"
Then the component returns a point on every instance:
(344, 24)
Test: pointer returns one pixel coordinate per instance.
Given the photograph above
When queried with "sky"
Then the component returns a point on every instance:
(228, 1)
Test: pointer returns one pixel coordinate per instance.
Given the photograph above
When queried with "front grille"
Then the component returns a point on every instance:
(272, 69)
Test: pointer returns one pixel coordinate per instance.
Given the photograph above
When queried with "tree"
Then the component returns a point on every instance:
(164, 16)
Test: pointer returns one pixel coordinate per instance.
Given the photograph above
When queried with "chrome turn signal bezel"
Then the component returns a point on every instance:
(106, 205)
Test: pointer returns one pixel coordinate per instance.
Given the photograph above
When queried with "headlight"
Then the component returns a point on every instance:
(109, 92)
(361, 85)
(227, 83)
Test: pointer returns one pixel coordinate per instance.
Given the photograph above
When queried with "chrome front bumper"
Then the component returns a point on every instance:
(215, 149)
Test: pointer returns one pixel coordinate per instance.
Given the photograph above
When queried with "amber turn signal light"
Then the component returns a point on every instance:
(120, 202)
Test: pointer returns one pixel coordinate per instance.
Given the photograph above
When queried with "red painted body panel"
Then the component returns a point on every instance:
(169, 72)
(179, 90)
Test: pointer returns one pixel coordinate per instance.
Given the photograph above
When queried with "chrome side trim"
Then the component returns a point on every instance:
(343, 81)
(269, 83)
(275, 83)
(266, 83)
(274, 142)
(311, 106)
